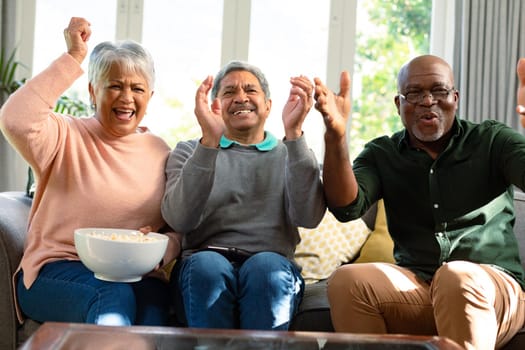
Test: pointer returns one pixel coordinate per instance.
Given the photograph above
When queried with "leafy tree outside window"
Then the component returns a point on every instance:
(391, 33)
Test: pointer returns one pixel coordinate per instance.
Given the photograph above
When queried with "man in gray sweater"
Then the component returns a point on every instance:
(237, 195)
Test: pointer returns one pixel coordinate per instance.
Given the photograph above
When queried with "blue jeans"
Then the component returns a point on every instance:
(66, 291)
(262, 293)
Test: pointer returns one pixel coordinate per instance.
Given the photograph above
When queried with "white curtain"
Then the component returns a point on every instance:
(490, 39)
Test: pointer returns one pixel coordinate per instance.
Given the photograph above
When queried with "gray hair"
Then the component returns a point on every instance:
(242, 66)
(128, 53)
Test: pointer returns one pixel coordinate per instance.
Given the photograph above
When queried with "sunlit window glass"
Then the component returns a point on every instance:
(389, 33)
(289, 38)
(184, 38)
(53, 16)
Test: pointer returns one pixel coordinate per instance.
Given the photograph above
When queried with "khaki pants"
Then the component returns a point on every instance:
(477, 306)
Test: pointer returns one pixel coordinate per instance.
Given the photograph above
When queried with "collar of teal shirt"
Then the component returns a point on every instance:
(267, 144)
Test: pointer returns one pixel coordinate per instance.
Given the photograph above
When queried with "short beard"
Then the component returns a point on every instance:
(426, 137)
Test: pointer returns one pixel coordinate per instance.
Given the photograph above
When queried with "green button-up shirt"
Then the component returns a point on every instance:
(456, 207)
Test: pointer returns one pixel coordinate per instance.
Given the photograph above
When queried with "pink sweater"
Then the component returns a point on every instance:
(86, 177)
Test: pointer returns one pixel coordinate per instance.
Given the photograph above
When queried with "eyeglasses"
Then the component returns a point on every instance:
(416, 97)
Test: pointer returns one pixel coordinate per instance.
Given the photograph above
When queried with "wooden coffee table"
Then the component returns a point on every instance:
(57, 336)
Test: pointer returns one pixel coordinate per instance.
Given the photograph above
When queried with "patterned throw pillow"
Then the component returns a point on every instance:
(326, 247)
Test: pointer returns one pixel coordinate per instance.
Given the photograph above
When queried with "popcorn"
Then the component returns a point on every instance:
(136, 236)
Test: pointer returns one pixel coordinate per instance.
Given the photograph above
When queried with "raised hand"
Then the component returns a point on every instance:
(335, 109)
(77, 34)
(339, 182)
(297, 106)
(521, 90)
(210, 119)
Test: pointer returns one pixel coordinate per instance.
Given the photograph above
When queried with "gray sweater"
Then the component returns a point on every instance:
(242, 197)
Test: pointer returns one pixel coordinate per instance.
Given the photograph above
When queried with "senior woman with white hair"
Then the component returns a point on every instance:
(99, 171)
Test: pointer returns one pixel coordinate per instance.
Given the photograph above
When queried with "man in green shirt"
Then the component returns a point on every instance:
(447, 186)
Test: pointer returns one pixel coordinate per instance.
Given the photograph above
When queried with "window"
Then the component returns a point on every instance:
(388, 35)
(285, 45)
(52, 17)
(184, 38)
(192, 39)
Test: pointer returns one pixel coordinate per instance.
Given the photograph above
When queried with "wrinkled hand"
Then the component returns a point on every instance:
(146, 229)
(77, 34)
(174, 246)
(174, 243)
(297, 106)
(210, 119)
(521, 90)
(173, 251)
(335, 109)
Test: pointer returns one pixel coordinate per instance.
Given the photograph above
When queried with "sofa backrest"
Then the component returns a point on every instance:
(18, 218)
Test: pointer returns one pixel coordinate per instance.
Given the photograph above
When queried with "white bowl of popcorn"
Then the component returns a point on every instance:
(119, 255)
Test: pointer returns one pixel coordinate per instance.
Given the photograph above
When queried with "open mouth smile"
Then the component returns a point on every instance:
(124, 114)
(242, 112)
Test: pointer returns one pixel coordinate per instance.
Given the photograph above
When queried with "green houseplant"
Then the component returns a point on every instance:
(8, 81)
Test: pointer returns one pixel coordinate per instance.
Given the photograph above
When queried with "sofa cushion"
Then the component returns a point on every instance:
(379, 246)
(326, 247)
(314, 311)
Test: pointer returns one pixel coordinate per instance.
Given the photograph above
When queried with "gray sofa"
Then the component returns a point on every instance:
(313, 315)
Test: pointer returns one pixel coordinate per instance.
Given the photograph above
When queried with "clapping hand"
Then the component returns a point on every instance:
(335, 109)
(297, 106)
(209, 118)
